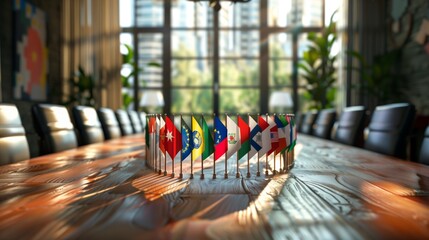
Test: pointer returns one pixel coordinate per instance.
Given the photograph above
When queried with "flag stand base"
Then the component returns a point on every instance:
(202, 176)
(226, 175)
(237, 175)
(172, 175)
(165, 173)
(266, 173)
(159, 171)
(214, 176)
(258, 174)
(248, 175)
(181, 175)
(191, 176)
(274, 172)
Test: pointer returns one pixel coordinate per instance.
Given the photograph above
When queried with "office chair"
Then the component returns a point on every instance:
(88, 125)
(54, 126)
(389, 128)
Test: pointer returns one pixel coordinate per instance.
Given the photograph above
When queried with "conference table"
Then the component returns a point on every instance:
(107, 191)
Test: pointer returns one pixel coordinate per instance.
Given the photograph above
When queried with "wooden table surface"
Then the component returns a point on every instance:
(106, 191)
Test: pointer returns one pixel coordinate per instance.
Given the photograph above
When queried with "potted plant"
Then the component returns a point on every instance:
(318, 65)
(81, 89)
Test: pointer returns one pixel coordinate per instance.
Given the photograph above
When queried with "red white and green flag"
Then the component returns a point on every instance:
(244, 137)
(234, 142)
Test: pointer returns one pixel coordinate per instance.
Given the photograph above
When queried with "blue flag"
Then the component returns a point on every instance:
(253, 132)
(220, 134)
(187, 144)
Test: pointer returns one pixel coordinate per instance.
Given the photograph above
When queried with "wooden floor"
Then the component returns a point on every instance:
(106, 191)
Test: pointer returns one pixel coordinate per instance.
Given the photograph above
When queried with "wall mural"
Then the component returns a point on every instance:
(31, 53)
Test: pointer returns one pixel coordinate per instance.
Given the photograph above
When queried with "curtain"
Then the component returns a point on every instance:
(90, 39)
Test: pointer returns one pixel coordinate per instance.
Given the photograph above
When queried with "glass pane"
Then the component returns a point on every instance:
(330, 8)
(150, 45)
(192, 73)
(126, 13)
(126, 38)
(309, 12)
(239, 14)
(280, 45)
(239, 43)
(279, 13)
(192, 101)
(189, 14)
(280, 73)
(239, 73)
(192, 43)
(149, 13)
(282, 13)
(239, 100)
(280, 100)
(303, 44)
(150, 76)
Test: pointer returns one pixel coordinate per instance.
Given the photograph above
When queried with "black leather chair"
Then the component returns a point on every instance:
(324, 123)
(135, 121)
(54, 126)
(424, 150)
(389, 128)
(124, 122)
(349, 127)
(88, 125)
(309, 120)
(13, 143)
(109, 123)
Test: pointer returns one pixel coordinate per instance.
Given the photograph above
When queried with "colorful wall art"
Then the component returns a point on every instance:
(31, 53)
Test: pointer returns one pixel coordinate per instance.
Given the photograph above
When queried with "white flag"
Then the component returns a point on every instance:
(233, 137)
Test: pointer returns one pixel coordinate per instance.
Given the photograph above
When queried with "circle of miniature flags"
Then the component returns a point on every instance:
(169, 136)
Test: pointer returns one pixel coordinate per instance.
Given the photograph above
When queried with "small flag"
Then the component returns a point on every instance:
(233, 137)
(244, 137)
(293, 134)
(265, 135)
(197, 139)
(187, 143)
(162, 134)
(221, 143)
(255, 137)
(274, 135)
(208, 140)
(281, 128)
(173, 138)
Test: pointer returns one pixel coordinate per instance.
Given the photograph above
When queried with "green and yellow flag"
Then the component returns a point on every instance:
(197, 139)
(208, 140)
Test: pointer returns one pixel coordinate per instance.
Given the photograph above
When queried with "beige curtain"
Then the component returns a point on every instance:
(90, 38)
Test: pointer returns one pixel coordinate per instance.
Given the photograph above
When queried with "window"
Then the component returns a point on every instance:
(225, 62)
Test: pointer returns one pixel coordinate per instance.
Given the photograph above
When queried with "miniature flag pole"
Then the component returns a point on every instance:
(202, 160)
(226, 157)
(192, 155)
(266, 155)
(181, 167)
(257, 172)
(172, 158)
(248, 161)
(165, 154)
(214, 160)
(237, 174)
